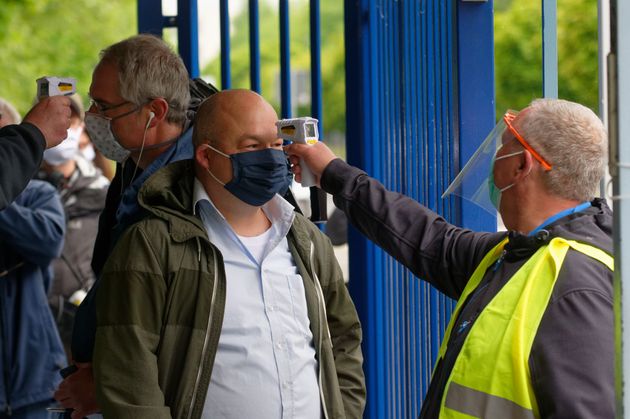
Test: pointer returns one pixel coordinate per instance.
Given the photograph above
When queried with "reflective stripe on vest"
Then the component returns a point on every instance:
(491, 377)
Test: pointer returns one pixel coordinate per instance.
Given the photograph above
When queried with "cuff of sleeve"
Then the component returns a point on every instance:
(337, 174)
(35, 134)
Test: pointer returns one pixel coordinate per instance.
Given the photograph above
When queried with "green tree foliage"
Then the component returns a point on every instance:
(57, 38)
(332, 56)
(518, 53)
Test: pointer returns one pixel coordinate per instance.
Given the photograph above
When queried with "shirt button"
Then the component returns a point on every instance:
(279, 346)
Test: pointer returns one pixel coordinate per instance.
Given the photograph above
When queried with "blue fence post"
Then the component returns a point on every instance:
(318, 197)
(226, 78)
(366, 279)
(475, 66)
(150, 19)
(285, 60)
(188, 35)
(254, 47)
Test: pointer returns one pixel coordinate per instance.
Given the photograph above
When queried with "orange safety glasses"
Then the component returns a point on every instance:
(508, 118)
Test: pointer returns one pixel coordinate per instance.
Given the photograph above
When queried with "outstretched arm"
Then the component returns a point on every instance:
(433, 249)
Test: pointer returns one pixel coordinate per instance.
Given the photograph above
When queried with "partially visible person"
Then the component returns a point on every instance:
(22, 146)
(138, 118)
(532, 335)
(31, 236)
(223, 302)
(82, 189)
(8, 114)
(86, 148)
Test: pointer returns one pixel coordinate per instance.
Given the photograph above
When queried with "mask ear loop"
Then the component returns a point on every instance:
(208, 169)
(144, 137)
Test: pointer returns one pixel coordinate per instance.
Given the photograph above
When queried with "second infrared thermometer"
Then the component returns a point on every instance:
(303, 131)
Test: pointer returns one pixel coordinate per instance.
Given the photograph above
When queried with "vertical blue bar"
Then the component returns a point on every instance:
(226, 78)
(475, 69)
(316, 66)
(550, 48)
(254, 46)
(317, 196)
(365, 258)
(150, 19)
(188, 35)
(285, 60)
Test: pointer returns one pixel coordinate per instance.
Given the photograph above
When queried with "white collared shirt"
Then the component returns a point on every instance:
(265, 364)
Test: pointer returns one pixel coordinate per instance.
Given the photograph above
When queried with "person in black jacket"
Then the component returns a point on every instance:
(82, 189)
(498, 358)
(21, 146)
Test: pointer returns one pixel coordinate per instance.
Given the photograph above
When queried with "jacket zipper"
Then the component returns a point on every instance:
(320, 306)
(5, 350)
(5, 357)
(205, 341)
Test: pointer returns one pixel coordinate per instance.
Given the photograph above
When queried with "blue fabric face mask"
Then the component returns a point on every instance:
(257, 176)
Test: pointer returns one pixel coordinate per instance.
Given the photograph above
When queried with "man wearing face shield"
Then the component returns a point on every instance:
(532, 334)
(224, 302)
(138, 118)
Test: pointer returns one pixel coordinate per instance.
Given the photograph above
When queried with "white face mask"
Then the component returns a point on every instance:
(66, 150)
(88, 152)
(100, 131)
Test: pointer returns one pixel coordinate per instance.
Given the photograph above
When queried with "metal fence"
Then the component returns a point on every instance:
(419, 100)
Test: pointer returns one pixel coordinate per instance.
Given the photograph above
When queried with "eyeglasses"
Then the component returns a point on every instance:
(508, 118)
(101, 108)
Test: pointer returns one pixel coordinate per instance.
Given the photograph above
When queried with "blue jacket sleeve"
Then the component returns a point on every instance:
(34, 225)
(21, 149)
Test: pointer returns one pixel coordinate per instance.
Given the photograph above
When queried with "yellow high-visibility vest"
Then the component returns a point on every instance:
(491, 377)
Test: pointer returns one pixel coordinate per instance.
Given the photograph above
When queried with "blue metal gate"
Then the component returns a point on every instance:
(420, 98)
(417, 106)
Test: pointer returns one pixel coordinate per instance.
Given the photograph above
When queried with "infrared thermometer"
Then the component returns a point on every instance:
(55, 86)
(303, 131)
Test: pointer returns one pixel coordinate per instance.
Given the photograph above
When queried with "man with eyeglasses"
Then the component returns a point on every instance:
(138, 118)
(533, 331)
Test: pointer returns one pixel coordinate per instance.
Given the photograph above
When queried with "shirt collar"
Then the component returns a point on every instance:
(279, 211)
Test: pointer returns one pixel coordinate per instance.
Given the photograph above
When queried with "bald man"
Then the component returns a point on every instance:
(224, 302)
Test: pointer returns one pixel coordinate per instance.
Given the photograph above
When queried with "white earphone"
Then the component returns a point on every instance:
(151, 116)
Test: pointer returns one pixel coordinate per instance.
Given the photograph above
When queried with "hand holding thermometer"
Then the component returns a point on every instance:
(55, 86)
(303, 131)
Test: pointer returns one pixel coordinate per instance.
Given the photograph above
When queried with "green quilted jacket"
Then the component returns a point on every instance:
(160, 305)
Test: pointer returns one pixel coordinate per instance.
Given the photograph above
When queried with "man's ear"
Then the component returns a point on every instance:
(159, 107)
(201, 156)
(526, 166)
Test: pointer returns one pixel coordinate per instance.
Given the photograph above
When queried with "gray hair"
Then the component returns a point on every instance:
(8, 114)
(147, 69)
(573, 140)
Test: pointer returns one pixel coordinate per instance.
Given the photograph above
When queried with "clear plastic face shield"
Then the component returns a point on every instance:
(475, 182)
